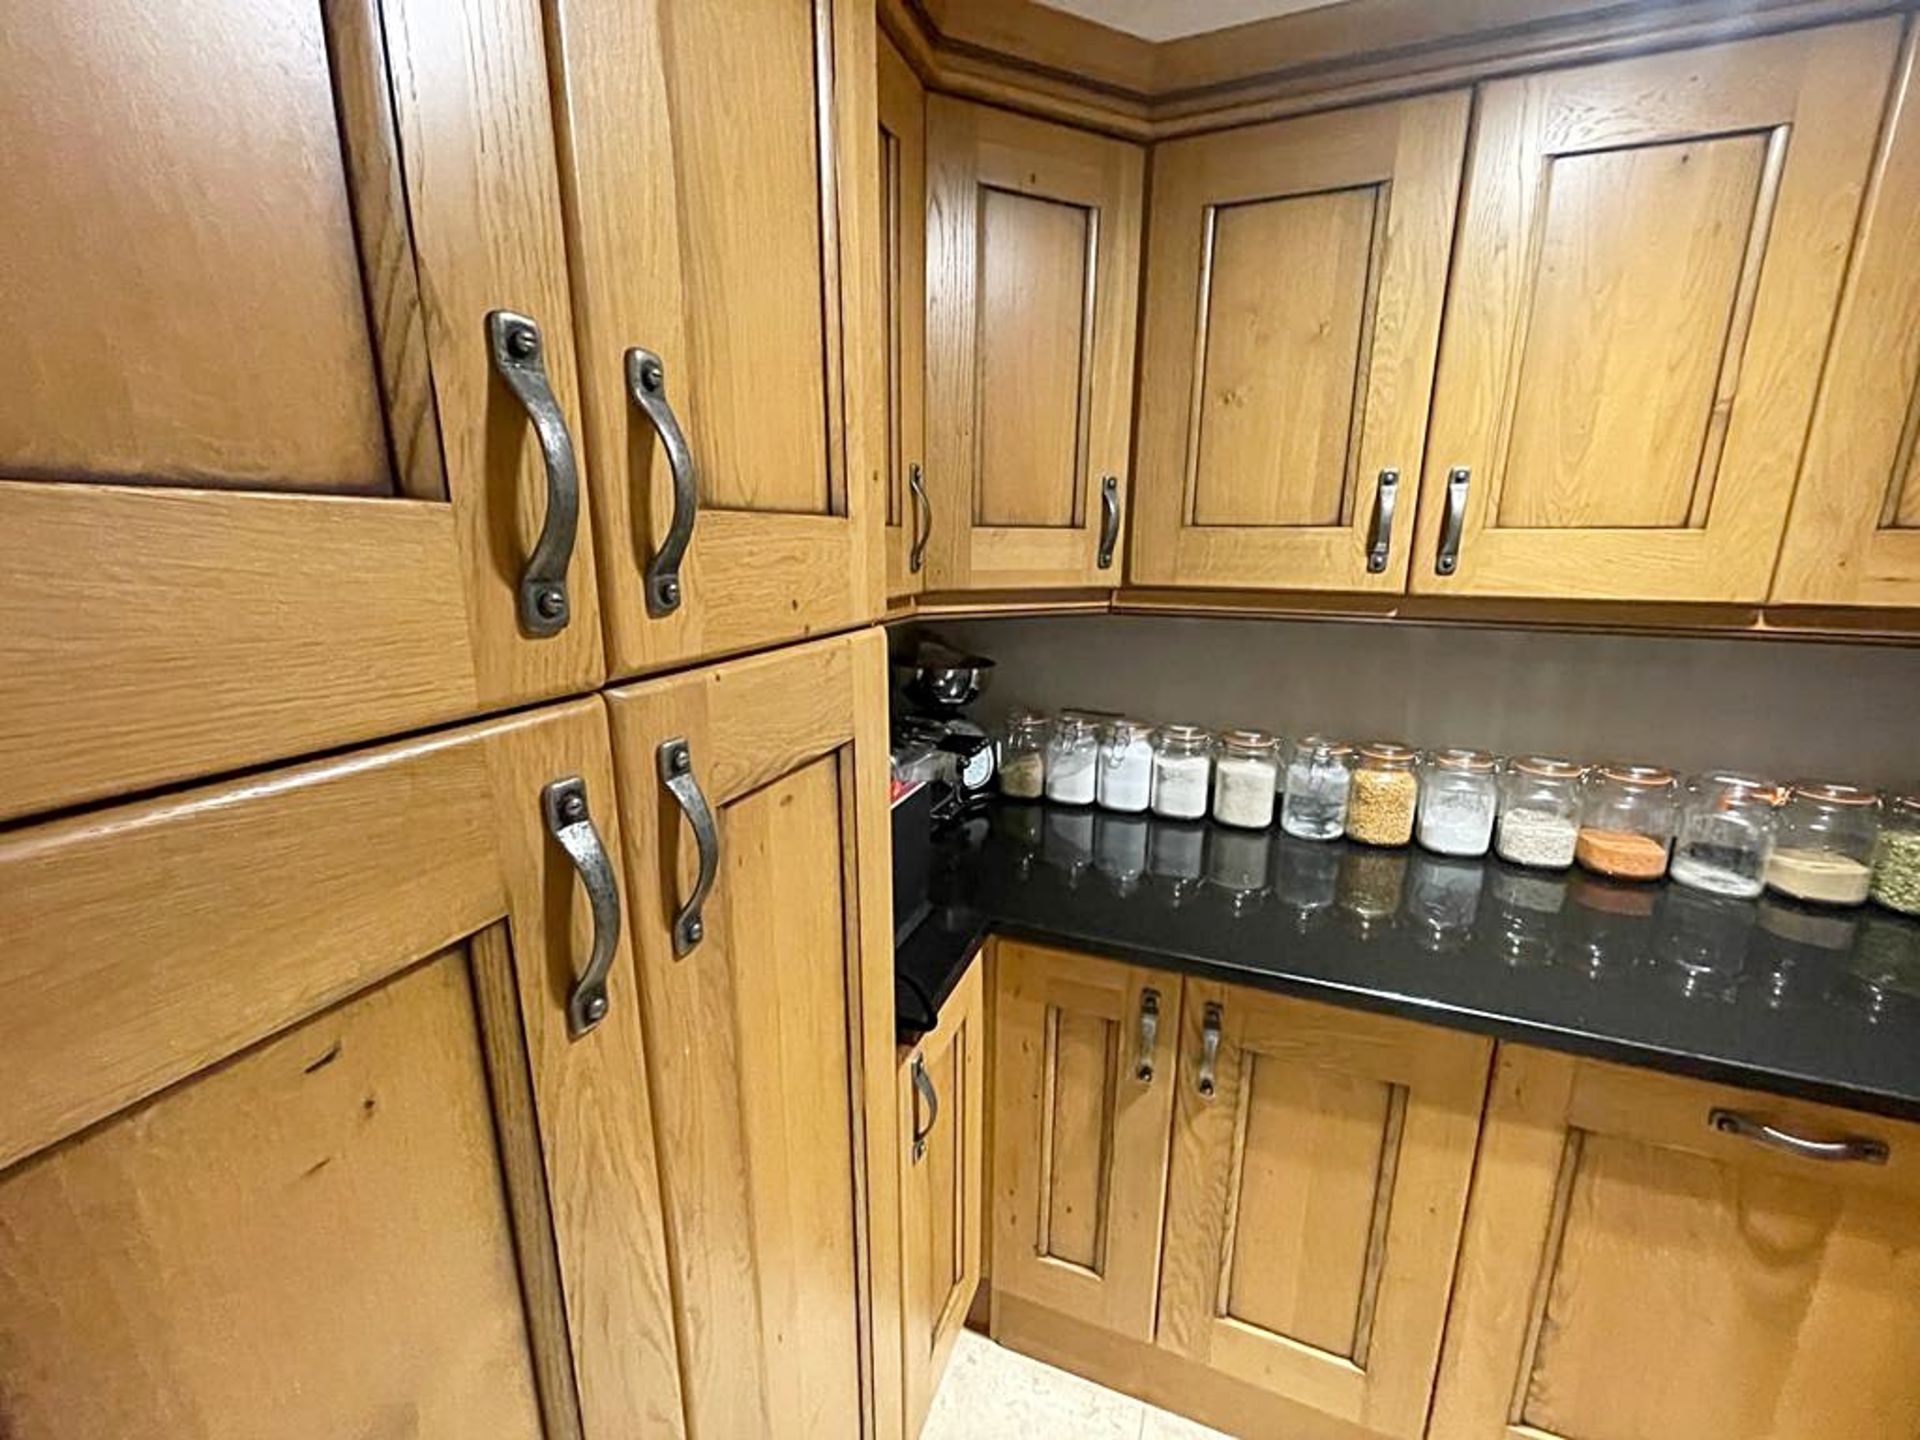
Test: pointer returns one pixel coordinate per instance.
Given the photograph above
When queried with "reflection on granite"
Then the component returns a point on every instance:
(1770, 993)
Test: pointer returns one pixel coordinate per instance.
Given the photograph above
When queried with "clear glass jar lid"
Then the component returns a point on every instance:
(1822, 792)
(1183, 739)
(1472, 761)
(1070, 727)
(1388, 754)
(1637, 777)
(1547, 767)
(1322, 747)
(1122, 730)
(1731, 785)
(1248, 742)
(1027, 725)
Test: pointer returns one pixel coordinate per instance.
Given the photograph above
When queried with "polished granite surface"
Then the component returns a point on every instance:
(1821, 1004)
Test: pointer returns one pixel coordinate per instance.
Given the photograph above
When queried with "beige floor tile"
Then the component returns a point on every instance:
(1159, 1425)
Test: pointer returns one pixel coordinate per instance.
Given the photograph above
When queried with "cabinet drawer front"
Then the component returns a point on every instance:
(1315, 1200)
(1650, 254)
(244, 516)
(1632, 1270)
(1294, 281)
(1080, 1132)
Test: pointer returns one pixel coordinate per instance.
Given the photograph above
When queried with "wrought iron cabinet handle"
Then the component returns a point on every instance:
(1149, 1033)
(1209, 1050)
(927, 1096)
(923, 517)
(1861, 1149)
(1380, 531)
(563, 805)
(1109, 520)
(1447, 560)
(516, 348)
(647, 388)
(675, 763)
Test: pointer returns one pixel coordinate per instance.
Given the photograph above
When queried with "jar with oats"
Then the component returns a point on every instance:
(1824, 843)
(1626, 821)
(1023, 756)
(1383, 794)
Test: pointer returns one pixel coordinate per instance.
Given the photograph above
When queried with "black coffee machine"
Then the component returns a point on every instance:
(932, 737)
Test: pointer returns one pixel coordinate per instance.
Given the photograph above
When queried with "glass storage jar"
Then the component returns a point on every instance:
(1458, 798)
(1182, 771)
(1824, 843)
(1383, 794)
(1023, 756)
(1896, 858)
(1626, 821)
(1125, 775)
(1072, 750)
(1246, 778)
(1725, 834)
(1539, 812)
(1314, 803)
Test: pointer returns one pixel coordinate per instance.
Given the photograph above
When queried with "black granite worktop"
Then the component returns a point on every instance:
(1766, 993)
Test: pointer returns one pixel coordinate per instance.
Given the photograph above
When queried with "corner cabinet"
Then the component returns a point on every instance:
(1295, 273)
(287, 452)
(1650, 255)
(717, 163)
(324, 1108)
(1033, 256)
(901, 206)
(754, 797)
(1648, 1256)
(1854, 535)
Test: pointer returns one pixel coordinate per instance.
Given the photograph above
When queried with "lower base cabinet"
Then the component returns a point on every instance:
(298, 1136)
(942, 1089)
(1649, 1257)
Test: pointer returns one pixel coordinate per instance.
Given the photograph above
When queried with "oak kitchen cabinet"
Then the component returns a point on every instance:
(1295, 273)
(902, 228)
(717, 164)
(1853, 537)
(1033, 255)
(307, 1123)
(267, 484)
(1650, 252)
(942, 1130)
(1643, 1260)
(753, 797)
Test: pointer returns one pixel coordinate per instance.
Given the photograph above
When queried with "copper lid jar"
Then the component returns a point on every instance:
(1626, 821)
(1383, 794)
(1458, 798)
(1824, 843)
(1539, 812)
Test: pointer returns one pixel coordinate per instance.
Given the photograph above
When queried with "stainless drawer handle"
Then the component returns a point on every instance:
(1380, 530)
(515, 345)
(1863, 1149)
(1209, 1050)
(924, 1095)
(1447, 560)
(923, 519)
(1109, 520)
(676, 773)
(1149, 1033)
(647, 385)
(563, 804)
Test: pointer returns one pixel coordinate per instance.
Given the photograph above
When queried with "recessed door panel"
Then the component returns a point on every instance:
(902, 213)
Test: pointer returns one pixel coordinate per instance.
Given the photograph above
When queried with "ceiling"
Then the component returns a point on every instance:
(1171, 19)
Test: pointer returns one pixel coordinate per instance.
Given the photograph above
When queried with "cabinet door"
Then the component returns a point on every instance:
(942, 1088)
(263, 488)
(1649, 258)
(1319, 1181)
(1643, 1261)
(902, 216)
(755, 801)
(1033, 258)
(1082, 1097)
(716, 161)
(295, 1139)
(1853, 537)
(1294, 279)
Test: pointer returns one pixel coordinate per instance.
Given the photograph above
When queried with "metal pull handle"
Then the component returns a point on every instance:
(647, 385)
(563, 804)
(514, 343)
(1863, 1149)
(1109, 520)
(1149, 1033)
(923, 518)
(1209, 1050)
(1380, 531)
(924, 1094)
(676, 773)
(1448, 559)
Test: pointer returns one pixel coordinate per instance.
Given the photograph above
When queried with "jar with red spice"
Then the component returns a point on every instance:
(1627, 815)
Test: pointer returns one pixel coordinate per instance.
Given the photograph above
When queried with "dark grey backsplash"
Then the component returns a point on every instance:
(1785, 708)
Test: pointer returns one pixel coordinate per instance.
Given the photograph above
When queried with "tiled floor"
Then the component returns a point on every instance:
(990, 1393)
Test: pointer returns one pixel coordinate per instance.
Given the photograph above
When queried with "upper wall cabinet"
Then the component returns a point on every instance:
(1294, 281)
(284, 452)
(1032, 269)
(717, 162)
(1649, 259)
(902, 211)
(1854, 536)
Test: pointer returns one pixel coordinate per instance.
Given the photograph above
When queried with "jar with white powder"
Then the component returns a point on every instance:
(1182, 771)
(1125, 771)
(1245, 778)
(1071, 756)
(1458, 797)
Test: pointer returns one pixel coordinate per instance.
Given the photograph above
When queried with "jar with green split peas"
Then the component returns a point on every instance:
(1383, 794)
(1896, 857)
(1824, 843)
